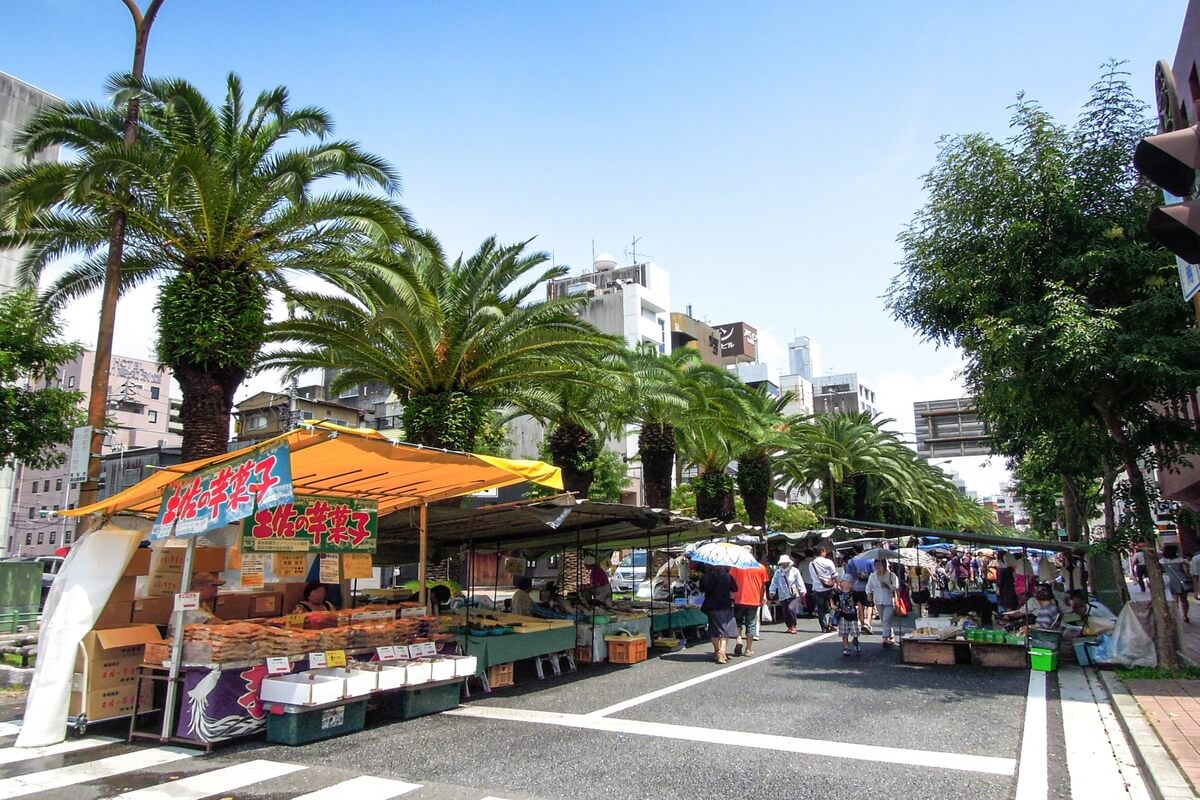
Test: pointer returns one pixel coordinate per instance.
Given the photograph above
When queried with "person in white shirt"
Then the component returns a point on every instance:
(881, 592)
(824, 580)
(1194, 569)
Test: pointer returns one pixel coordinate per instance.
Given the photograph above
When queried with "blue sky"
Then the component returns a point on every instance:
(767, 154)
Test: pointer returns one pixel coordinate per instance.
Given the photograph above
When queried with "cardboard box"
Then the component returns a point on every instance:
(110, 702)
(302, 689)
(205, 559)
(124, 591)
(114, 615)
(265, 604)
(232, 606)
(112, 655)
(153, 610)
(139, 564)
(292, 593)
(358, 682)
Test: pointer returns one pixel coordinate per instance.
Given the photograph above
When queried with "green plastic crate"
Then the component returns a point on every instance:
(301, 727)
(420, 701)
(1042, 660)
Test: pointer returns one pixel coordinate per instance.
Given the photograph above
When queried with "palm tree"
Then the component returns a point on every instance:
(452, 340)
(218, 207)
(755, 473)
(715, 428)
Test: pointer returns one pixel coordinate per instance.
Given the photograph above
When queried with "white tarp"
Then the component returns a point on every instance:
(80, 591)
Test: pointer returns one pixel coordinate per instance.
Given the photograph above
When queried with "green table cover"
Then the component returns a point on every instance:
(678, 617)
(492, 650)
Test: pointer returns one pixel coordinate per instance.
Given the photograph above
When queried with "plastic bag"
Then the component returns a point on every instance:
(1131, 646)
(765, 615)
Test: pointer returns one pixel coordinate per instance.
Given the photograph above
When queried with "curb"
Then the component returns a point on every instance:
(1162, 775)
(15, 676)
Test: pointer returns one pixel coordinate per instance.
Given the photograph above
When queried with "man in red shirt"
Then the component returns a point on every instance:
(747, 601)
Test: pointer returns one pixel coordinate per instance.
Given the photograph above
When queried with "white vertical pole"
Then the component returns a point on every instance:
(177, 646)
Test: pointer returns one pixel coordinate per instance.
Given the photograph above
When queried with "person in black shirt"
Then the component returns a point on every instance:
(719, 587)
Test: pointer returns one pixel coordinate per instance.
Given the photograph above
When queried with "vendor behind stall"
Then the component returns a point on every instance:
(314, 599)
(206, 585)
(522, 600)
(598, 580)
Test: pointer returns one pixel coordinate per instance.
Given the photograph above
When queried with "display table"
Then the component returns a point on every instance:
(952, 652)
(492, 650)
(593, 635)
(678, 617)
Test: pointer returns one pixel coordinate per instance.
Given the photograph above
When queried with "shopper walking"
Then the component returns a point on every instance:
(846, 606)
(1138, 564)
(1195, 570)
(747, 603)
(788, 588)
(806, 602)
(859, 571)
(1175, 571)
(881, 591)
(824, 581)
(719, 587)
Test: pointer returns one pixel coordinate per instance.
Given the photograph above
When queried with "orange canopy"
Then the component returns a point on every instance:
(338, 461)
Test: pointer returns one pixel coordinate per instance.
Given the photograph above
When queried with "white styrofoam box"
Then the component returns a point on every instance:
(441, 669)
(464, 666)
(358, 682)
(302, 689)
(390, 676)
(418, 672)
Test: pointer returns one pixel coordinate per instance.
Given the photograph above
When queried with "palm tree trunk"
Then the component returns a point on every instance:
(754, 482)
(204, 413)
(450, 420)
(714, 494)
(573, 448)
(860, 497)
(656, 448)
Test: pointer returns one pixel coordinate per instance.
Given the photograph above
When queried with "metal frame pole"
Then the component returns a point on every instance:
(423, 551)
(177, 646)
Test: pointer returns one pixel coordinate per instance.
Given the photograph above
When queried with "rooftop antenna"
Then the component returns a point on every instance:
(632, 251)
(593, 251)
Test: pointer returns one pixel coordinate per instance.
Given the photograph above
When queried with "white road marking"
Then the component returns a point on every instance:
(12, 755)
(10, 728)
(786, 744)
(218, 781)
(91, 771)
(364, 787)
(1090, 760)
(1033, 774)
(708, 676)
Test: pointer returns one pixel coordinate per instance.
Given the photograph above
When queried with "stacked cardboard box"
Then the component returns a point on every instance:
(106, 672)
(166, 573)
(119, 610)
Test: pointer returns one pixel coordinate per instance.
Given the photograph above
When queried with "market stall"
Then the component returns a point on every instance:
(591, 634)
(267, 515)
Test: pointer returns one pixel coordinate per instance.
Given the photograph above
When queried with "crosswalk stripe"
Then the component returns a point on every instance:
(10, 728)
(90, 771)
(12, 755)
(218, 781)
(364, 787)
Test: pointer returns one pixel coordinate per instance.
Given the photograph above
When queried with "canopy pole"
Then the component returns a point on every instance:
(423, 551)
(168, 722)
(470, 594)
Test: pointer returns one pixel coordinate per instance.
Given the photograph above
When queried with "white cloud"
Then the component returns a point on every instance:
(771, 351)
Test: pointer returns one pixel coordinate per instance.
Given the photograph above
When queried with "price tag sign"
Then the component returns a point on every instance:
(402, 652)
(335, 658)
(331, 568)
(428, 649)
(290, 565)
(386, 653)
(358, 565)
(187, 601)
(316, 660)
(294, 621)
(279, 665)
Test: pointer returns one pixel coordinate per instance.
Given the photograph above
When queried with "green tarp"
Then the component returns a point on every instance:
(685, 617)
(492, 650)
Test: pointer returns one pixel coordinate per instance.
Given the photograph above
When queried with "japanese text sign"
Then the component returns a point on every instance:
(314, 524)
(220, 495)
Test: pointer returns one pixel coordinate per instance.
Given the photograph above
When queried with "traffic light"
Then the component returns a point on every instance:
(1170, 160)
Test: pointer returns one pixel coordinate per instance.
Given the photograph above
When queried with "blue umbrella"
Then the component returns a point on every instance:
(724, 554)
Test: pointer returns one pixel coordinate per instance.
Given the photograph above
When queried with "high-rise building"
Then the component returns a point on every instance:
(842, 393)
(633, 302)
(803, 357)
(19, 102)
(950, 429)
(139, 410)
(802, 394)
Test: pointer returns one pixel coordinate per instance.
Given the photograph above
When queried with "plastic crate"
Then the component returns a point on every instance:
(500, 675)
(622, 650)
(293, 727)
(1042, 660)
(583, 654)
(420, 701)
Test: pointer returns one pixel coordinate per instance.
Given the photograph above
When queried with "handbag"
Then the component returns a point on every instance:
(902, 605)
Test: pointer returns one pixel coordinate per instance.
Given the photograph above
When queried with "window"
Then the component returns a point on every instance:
(257, 422)
(306, 414)
(10, 544)
(71, 382)
(152, 416)
(529, 564)
(54, 538)
(35, 485)
(58, 484)
(28, 539)
(41, 537)
(66, 537)
(46, 485)
(32, 511)
(154, 392)
(56, 508)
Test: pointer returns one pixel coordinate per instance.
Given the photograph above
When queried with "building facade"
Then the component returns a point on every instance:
(739, 343)
(802, 394)
(268, 414)
(950, 429)
(139, 408)
(689, 332)
(632, 302)
(842, 394)
(19, 102)
(803, 358)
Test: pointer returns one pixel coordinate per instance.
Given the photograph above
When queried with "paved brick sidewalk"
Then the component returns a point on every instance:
(1173, 708)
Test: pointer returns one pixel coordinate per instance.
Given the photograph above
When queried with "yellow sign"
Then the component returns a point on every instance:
(290, 565)
(294, 621)
(335, 658)
(356, 565)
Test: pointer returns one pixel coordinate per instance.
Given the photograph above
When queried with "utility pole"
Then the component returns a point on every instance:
(98, 399)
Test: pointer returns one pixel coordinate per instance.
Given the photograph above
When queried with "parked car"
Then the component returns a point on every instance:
(630, 572)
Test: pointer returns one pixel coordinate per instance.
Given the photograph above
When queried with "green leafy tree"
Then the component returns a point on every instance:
(1031, 255)
(610, 479)
(35, 415)
(654, 401)
(791, 518)
(715, 428)
(454, 340)
(756, 476)
(218, 207)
